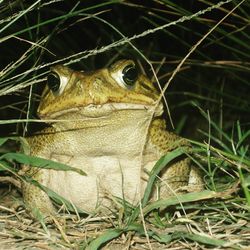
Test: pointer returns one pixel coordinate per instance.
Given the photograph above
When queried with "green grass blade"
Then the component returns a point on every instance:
(200, 238)
(164, 160)
(182, 198)
(104, 238)
(2, 141)
(39, 162)
(138, 228)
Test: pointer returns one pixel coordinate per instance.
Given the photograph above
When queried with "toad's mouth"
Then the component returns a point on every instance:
(100, 110)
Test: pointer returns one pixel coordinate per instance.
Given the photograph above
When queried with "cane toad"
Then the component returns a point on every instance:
(105, 123)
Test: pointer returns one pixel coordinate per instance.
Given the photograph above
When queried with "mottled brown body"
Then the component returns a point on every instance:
(108, 125)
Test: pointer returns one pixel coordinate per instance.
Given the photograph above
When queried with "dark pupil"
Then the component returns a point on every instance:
(53, 81)
(130, 75)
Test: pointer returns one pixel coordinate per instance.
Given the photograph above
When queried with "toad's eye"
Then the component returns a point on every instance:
(130, 75)
(125, 76)
(56, 82)
(53, 80)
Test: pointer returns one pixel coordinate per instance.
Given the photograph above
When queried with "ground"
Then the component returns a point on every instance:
(204, 228)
